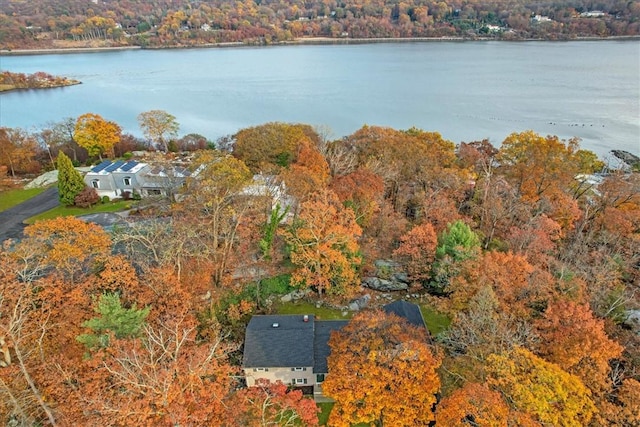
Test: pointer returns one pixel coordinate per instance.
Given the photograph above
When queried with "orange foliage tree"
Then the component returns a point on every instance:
(381, 371)
(362, 191)
(67, 244)
(324, 245)
(271, 404)
(309, 172)
(473, 404)
(417, 251)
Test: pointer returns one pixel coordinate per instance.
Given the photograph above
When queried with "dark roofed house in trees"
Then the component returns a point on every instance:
(294, 348)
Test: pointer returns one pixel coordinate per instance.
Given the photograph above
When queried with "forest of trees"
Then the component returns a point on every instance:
(143, 325)
(73, 23)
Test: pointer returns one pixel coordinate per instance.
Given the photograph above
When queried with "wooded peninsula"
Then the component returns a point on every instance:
(523, 262)
(40, 24)
(40, 80)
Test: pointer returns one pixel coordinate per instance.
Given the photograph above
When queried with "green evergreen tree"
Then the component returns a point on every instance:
(123, 322)
(457, 243)
(70, 182)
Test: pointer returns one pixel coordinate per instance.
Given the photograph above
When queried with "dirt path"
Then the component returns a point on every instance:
(11, 220)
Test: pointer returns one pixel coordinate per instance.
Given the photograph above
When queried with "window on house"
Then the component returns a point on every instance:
(300, 381)
(154, 192)
(95, 183)
(260, 369)
(298, 369)
(126, 180)
(319, 378)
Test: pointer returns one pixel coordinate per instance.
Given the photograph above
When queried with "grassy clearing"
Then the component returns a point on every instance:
(436, 321)
(323, 416)
(303, 307)
(9, 199)
(76, 211)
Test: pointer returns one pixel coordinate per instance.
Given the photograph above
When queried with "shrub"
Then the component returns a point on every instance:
(87, 197)
(105, 199)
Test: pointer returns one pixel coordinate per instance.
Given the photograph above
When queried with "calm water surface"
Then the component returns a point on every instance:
(466, 91)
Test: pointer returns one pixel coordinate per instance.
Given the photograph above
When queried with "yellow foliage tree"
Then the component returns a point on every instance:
(540, 388)
(382, 372)
(67, 244)
(96, 135)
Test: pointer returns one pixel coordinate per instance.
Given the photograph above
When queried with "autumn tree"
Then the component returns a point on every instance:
(539, 166)
(97, 135)
(17, 151)
(70, 182)
(381, 372)
(485, 328)
(271, 404)
(324, 245)
(473, 404)
(362, 191)
(540, 388)
(212, 212)
(308, 173)
(576, 341)
(159, 126)
(67, 244)
(163, 377)
(417, 251)
(269, 147)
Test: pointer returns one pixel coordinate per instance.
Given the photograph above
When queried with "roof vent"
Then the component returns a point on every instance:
(305, 318)
(275, 325)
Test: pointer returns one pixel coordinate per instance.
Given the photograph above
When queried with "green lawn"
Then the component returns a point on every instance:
(323, 416)
(76, 211)
(436, 321)
(9, 199)
(303, 307)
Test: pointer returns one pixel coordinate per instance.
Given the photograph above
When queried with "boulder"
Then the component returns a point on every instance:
(359, 303)
(383, 285)
(286, 298)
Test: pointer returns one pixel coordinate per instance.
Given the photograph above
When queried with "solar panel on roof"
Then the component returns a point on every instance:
(128, 166)
(101, 166)
(114, 166)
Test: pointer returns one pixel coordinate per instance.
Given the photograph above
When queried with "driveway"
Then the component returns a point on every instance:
(11, 220)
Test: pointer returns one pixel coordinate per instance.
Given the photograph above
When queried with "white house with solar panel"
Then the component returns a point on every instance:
(125, 178)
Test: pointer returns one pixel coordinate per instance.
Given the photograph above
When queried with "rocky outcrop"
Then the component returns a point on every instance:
(631, 159)
(388, 277)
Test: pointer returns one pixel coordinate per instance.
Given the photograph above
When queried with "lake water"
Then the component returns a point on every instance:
(464, 90)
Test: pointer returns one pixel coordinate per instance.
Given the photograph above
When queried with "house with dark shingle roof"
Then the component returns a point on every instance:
(293, 349)
(408, 311)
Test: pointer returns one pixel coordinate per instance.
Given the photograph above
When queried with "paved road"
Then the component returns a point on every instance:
(11, 225)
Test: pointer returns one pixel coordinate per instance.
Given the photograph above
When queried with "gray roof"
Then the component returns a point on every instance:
(321, 348)
(409, 311)
(290, 344)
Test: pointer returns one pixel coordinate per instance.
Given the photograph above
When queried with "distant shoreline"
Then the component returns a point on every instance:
(301, 41)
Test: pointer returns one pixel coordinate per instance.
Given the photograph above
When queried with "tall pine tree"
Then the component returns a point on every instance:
(70, 182)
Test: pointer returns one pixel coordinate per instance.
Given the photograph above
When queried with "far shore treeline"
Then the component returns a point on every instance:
(61, 24)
